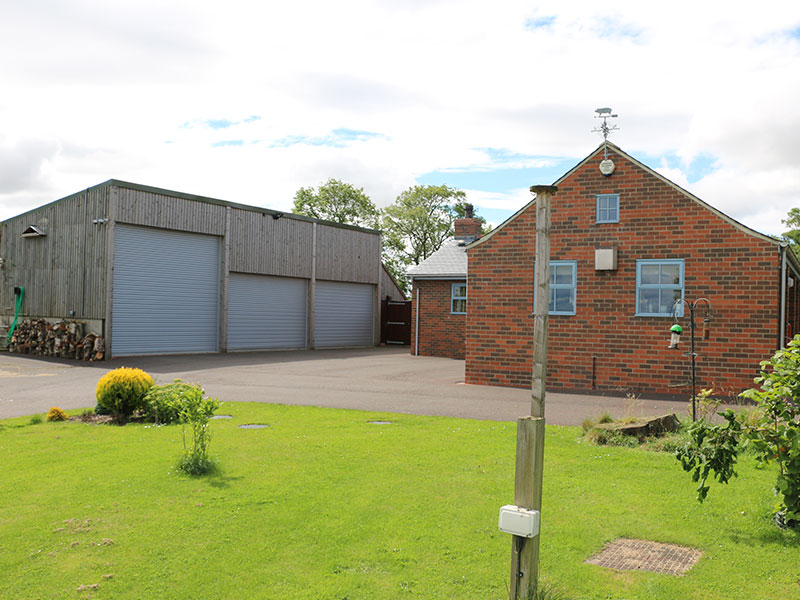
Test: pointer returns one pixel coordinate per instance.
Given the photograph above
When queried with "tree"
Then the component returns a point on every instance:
(338, 202)
(792, 237)
(772, 435)
(419, 221)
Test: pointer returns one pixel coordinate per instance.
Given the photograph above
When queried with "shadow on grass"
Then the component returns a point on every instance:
(220, 480)
(772, 534)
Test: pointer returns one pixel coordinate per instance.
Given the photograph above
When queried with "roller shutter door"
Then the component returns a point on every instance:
(343, 314)
(266, 312)
(166, 292)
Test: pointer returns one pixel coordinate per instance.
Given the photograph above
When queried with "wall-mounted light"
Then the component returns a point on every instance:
(277, 216)
(99, 221)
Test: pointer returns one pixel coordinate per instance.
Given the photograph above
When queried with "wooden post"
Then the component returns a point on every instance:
(530, 430)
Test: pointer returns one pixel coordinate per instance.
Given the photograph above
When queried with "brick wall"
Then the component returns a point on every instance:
(604, 346)
(440, 332)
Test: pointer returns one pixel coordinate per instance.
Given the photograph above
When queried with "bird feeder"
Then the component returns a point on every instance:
(675, 335)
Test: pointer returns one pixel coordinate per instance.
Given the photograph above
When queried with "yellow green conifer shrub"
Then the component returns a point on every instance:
(56, 414)
(121, 392)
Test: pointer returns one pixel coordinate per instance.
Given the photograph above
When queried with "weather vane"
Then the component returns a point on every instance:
(607, 165)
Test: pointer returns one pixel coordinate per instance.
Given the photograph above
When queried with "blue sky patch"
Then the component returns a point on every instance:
(540, 22)
(224, 143)
(701, 165)
(338, 138)
(251, 119)
(614, 28)
(504, 172)
(219, 123)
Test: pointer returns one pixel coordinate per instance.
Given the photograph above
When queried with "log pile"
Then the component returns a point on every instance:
(63, 339)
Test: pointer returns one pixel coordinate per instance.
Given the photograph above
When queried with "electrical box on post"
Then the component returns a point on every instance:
(519, 521)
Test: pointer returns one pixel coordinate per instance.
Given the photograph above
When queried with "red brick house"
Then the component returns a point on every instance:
(624, 246)
(439, 294)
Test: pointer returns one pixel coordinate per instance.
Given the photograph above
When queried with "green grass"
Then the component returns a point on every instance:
(323, 505)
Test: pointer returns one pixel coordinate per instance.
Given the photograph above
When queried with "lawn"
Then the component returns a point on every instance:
(323, 504)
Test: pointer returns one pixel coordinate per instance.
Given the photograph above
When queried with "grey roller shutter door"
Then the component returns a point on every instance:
(343, 314)
(166, 292)
(266, 312)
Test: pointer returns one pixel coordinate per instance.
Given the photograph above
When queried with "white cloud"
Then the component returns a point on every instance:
(111, 91)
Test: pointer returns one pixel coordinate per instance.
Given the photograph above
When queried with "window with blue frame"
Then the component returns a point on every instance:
(563, 287)
(659, 284)
(458, 299)
(608, 208)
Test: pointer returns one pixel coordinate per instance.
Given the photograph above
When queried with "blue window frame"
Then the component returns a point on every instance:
(608, 208)
(563, 286)
(659, 283)
(458, 298)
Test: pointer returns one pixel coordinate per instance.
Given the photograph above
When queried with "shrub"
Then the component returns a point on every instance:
(121, 392)
(35, 420)
(772, 434)
(56, 414)
(196, 410)
(163, 403)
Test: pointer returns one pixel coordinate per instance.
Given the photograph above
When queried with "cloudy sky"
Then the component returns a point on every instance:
(249, 101)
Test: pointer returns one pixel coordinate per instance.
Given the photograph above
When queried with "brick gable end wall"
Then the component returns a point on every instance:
(605, 346)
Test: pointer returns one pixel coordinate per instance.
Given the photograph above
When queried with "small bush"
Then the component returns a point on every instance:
(121, 392)
(86, 415)
(163, 403)
(196, 410)
(605, 418)
(587, 424)
(35, 420)
(56, 414)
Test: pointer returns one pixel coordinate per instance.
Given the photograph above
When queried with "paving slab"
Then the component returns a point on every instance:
(386, 379)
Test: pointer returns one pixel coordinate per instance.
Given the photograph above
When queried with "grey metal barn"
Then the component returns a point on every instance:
(160, 272)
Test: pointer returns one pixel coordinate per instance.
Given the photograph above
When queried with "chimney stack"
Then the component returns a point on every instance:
(467, 229)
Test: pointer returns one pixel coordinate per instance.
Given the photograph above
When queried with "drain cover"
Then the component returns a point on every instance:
(626, 554)
(253, 426)
(222, 417)
(379, 422)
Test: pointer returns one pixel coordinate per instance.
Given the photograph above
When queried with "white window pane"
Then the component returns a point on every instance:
(563, 301)
(649, 301)
(459, 291)
(671, 274)
(561, 274)
(649, 274)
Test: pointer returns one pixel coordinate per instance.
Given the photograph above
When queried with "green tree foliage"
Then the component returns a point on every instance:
(339, 202)
(792, 237)
(773, 436)
(417, 224)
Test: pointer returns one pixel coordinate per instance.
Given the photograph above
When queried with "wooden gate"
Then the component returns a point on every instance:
(396, 322)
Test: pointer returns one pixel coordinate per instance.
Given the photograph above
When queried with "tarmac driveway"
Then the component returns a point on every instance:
(385, 379)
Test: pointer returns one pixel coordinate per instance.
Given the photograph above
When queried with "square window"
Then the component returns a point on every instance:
(607, 208)
(659, 284)
(563, 285)
(458, 299)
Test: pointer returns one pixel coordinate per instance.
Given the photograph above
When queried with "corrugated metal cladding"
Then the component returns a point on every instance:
(166, 292)
(343, 314)
(64, 270)
(266, 312)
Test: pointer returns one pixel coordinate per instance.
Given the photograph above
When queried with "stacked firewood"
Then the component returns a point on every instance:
(63, 339)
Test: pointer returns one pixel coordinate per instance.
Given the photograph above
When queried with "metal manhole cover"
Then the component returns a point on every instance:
(379, 422)
(253, 426)
(222, 417)
(625, 554)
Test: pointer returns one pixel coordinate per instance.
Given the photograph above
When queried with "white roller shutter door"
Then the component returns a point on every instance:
(166, 292)
(343, 314)
(266, 312)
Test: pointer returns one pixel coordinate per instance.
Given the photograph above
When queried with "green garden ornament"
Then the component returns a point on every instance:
(675, 335)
